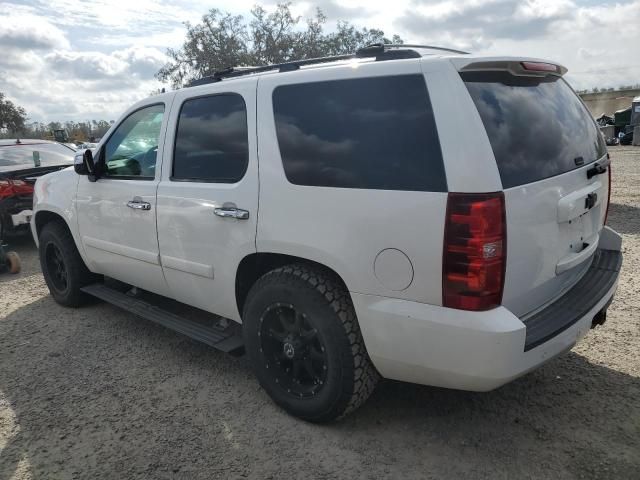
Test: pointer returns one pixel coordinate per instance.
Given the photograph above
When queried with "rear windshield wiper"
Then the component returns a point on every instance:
(599, 168)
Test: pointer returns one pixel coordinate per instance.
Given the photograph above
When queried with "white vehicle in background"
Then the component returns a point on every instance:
(89, 145)
(435, 218)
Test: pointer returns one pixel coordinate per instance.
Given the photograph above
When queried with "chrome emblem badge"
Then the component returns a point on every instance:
(289, 351)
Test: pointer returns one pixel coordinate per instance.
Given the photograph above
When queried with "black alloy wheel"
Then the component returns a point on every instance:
(56, 267)
(292, 347)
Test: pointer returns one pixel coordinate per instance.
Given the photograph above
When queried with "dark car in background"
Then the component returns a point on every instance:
(21, 163)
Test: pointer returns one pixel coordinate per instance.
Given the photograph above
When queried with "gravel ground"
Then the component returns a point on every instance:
(97, 393)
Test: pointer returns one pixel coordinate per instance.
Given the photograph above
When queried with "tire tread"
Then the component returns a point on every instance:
(76, 268)
(365, 376)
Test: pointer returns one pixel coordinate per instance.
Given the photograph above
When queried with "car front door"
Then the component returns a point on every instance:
(208, 195)
(117, 213)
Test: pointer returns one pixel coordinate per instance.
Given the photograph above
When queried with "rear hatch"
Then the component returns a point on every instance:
(28, 160)
(20, 166)
(552, 162)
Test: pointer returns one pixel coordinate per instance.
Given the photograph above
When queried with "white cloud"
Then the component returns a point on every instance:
(85, 65)
(132, 63)
(42, 70)
(30, 32)
(72, 59)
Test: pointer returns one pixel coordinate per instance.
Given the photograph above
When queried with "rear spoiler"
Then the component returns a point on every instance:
(522, 68)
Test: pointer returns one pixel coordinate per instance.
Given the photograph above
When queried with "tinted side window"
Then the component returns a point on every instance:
(538, 127)
(212, 140)
(373, 133)
(132, 149)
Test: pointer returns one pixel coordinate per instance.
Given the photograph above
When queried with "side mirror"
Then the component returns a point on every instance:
(78, 164)
(87, 158)
(83, 164)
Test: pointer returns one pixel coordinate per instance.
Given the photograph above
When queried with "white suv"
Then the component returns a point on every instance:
(430, 218)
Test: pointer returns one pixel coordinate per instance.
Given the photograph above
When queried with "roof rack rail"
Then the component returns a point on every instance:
(232, 72)
(429, 47)
(378, 50)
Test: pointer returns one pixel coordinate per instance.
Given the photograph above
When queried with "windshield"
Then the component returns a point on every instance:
(538, 127)
(35, 155)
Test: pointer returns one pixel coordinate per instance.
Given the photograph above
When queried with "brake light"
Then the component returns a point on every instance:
(473, 262)
(540, 67)
(12, 188)
(6, 189)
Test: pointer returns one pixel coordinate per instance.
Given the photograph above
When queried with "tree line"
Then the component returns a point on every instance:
(79, 132)
(635, 86)
(13, 123)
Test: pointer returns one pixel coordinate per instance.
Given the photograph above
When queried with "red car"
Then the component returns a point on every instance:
(21, 163)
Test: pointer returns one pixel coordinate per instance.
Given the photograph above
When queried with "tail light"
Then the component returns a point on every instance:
(540, 67)
(473, 262)
(12, 188)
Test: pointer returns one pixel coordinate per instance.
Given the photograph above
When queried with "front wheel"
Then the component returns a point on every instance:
(64, 270)
(304, 343)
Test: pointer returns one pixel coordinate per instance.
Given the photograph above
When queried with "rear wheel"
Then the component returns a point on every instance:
(303, 340)
(64, 271)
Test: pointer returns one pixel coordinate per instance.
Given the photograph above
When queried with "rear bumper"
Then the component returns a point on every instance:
(15, 214)
(480, 351)
(577, 302)
(22, 218)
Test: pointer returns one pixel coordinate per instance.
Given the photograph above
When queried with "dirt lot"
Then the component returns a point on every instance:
(98, 393)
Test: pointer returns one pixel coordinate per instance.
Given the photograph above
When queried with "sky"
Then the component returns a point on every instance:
(79, 60)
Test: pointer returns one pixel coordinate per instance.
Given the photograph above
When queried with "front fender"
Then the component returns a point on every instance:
(55, 193)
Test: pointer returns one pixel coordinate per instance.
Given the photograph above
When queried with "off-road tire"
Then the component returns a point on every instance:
(78, 275)
(350, 378)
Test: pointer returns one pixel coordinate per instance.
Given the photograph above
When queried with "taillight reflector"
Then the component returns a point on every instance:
(11, 188)
(6, 189)
(540, 67)
(473, 263)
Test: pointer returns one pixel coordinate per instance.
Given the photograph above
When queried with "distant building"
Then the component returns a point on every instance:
(609, 102)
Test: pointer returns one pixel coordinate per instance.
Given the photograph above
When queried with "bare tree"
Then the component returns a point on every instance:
(224, 40)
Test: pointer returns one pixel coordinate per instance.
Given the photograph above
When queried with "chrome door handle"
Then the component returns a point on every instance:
(231, 212)
(138, 204)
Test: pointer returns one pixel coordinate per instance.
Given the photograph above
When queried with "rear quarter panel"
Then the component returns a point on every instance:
(467, 153)
(345, 229)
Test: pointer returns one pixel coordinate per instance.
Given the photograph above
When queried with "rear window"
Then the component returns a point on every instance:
(23, 156)
(372, 133)
(212, 140)
(538, 127)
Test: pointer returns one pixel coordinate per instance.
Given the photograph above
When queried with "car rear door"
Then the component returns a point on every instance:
(208, 195)
(553, 166)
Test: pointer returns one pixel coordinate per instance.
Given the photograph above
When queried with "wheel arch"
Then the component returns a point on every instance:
(255, 265)
(44, 216)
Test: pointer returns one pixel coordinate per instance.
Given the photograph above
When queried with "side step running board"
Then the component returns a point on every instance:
(228, 339)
